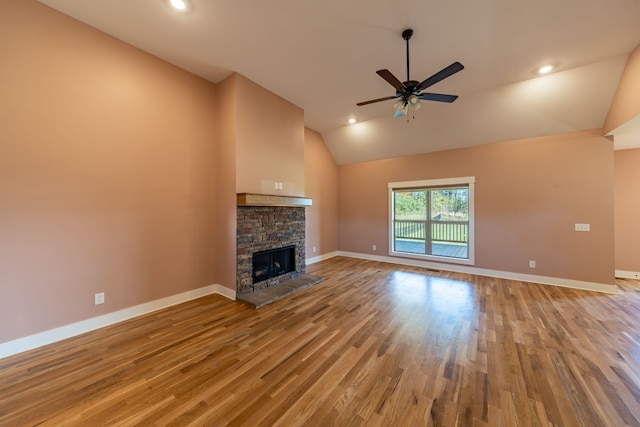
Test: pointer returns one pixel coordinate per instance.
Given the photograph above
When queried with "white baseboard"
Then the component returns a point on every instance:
(627, 274)
(40, 339)
(225, 292)
(321, 257)
(566, 283)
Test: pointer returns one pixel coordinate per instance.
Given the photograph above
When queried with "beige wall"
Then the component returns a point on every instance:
(270, 142)
(529, 194)
(106, 173)
(627, 210)
(321, 184)
(626, 106)
(626, 103)
(226, 210)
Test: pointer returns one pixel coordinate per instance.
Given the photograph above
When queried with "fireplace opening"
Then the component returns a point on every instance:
(273, 263)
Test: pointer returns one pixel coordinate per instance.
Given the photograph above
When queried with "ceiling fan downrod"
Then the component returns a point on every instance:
(406, 34)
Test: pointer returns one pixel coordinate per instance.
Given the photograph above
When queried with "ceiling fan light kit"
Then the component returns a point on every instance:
(409, 93)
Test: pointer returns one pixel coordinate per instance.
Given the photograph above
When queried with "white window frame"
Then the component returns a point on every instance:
(407, 185)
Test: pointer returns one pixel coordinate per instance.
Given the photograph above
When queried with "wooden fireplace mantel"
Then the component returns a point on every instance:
(250, 199)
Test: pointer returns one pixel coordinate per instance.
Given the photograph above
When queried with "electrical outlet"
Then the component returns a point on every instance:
(314, 249)
(373, 247)
(583, 227)
(98, 298)
(532, 264)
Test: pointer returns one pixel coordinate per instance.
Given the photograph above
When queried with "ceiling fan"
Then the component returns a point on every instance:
(409, 93)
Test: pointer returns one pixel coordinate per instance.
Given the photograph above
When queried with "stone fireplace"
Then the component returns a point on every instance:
(268, 224)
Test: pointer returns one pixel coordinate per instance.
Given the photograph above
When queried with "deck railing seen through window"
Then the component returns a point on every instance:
(441, 231)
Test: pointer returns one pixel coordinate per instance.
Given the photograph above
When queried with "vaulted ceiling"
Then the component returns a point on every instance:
(323, 56)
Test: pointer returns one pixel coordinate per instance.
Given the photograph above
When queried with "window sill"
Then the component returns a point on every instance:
(434, 258)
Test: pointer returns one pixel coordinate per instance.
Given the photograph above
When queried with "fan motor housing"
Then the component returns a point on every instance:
(410, 84)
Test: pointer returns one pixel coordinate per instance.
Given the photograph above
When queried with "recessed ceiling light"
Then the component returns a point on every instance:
(545, 69)
(181, 5)
(352, 120)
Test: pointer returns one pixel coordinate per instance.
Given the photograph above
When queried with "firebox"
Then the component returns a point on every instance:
(273, 263)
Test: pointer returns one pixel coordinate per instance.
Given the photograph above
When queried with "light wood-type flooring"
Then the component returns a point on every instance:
(374, 344)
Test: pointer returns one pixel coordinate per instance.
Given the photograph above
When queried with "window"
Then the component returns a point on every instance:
(432, 219)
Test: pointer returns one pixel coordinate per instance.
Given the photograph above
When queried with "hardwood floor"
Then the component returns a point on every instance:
(374, 344)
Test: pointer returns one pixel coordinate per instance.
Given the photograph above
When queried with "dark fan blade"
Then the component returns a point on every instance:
(393, 80)
(440, 75)
(386, 98)
(437, 97)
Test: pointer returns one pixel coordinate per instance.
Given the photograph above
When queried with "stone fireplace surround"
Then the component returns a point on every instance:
(268, 222)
